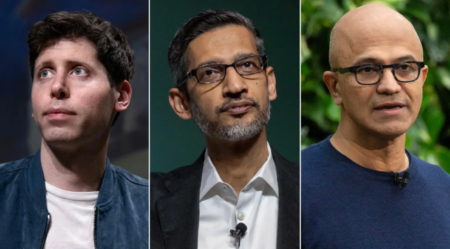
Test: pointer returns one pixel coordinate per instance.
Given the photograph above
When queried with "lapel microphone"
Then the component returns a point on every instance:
(401, 180)
(241, 228)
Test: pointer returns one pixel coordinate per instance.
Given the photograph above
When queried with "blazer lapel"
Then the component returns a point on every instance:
(179, 210)
(288, 174)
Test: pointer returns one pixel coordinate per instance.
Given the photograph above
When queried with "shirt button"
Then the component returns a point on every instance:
(241, 216)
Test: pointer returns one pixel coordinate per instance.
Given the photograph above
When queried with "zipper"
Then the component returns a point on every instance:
(95, 227)
(47, 226)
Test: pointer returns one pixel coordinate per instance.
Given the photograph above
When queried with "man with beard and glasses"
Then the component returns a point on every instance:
(223, 82)
(360, 187)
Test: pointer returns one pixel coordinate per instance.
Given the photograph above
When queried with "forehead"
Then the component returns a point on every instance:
(384, 42)
(78, 49)
(222, 45)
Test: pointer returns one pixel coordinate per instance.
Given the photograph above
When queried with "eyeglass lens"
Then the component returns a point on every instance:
(216, 72)
(405, 71)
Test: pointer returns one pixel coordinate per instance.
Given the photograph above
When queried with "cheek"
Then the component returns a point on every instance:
(357, 101)
(416, 99)
(97, 104)
(355, 97)
(37, 99)
(208, 102)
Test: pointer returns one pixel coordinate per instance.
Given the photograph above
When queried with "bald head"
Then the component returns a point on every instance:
(359, 30)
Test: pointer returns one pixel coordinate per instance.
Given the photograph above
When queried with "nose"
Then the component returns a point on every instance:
(234, 84)
(60, 89)
(388, 84)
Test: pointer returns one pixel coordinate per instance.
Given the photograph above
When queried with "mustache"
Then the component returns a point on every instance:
(221, 108)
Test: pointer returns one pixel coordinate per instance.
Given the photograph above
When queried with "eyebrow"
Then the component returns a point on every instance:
(372, 60)
(50, 62)
(218, 61)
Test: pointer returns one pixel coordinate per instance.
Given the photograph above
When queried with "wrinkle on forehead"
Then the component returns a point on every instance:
(367, 26)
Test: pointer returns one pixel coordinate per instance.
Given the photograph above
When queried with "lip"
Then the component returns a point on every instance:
(390, 108)
(238, 107)
(58, 113)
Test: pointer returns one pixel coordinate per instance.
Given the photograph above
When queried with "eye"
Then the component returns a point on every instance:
(80, 71)
(45, 73)
(368, 69)
(404, 67)
(209, 72)
(248, 64)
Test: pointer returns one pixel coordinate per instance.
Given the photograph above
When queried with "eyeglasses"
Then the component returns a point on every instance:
(212, 73)
(370, 74)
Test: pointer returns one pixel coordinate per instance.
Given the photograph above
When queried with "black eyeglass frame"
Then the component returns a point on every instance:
(354, 70)
(193, 72)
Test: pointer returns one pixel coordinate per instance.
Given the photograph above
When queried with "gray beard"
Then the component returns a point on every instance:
(238, 131)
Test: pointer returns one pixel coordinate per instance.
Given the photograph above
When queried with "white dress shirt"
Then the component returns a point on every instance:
(221, 210)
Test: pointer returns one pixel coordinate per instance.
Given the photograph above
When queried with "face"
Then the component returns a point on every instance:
(71, 96)
(389, 107)
(238, 107)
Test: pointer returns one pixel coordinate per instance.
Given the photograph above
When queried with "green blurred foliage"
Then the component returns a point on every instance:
(429, 137)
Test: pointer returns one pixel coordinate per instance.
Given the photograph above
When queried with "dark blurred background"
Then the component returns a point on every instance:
(429, 137)
(175, 142)
(128, 146)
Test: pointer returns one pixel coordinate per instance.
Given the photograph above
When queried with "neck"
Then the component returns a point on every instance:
(371, 150)
(238, 161)
(79, 169)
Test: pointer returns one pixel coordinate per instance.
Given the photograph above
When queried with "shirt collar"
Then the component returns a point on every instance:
(210, 176)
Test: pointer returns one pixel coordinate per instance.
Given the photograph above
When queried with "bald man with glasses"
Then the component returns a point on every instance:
(360, 187)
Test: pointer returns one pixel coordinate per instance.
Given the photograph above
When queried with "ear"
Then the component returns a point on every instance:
(332, 82)
(424, 74)
(271, 83)
(123, 96)
(178, 101)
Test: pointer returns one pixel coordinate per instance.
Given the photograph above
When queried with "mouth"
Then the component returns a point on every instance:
(58, 113)
(390, 108)
(238, 107)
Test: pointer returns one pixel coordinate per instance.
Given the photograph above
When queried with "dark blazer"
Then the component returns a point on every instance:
(174, 203)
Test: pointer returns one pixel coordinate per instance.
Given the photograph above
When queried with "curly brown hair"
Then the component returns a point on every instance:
(112, 46)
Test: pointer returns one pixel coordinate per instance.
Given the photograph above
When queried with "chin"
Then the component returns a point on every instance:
(58, 136)
(390, 132)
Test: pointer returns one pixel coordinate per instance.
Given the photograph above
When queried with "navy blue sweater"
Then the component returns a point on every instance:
(347, 206)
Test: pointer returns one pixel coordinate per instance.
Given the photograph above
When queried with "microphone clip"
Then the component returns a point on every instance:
(241, 228)
(400, 180)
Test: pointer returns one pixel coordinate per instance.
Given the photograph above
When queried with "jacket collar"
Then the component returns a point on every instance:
(36, 183)
(108, 187)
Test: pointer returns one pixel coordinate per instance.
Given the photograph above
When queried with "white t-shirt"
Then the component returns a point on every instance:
(221, 209)
(72, 218)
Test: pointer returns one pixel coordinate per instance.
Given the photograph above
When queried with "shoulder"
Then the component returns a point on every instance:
(318, 157)
(292, 168)
(14, 166)
(430, 171)
(10, 171)
(128, 178)
(161, 183)
(159, 180)
(316, 152)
